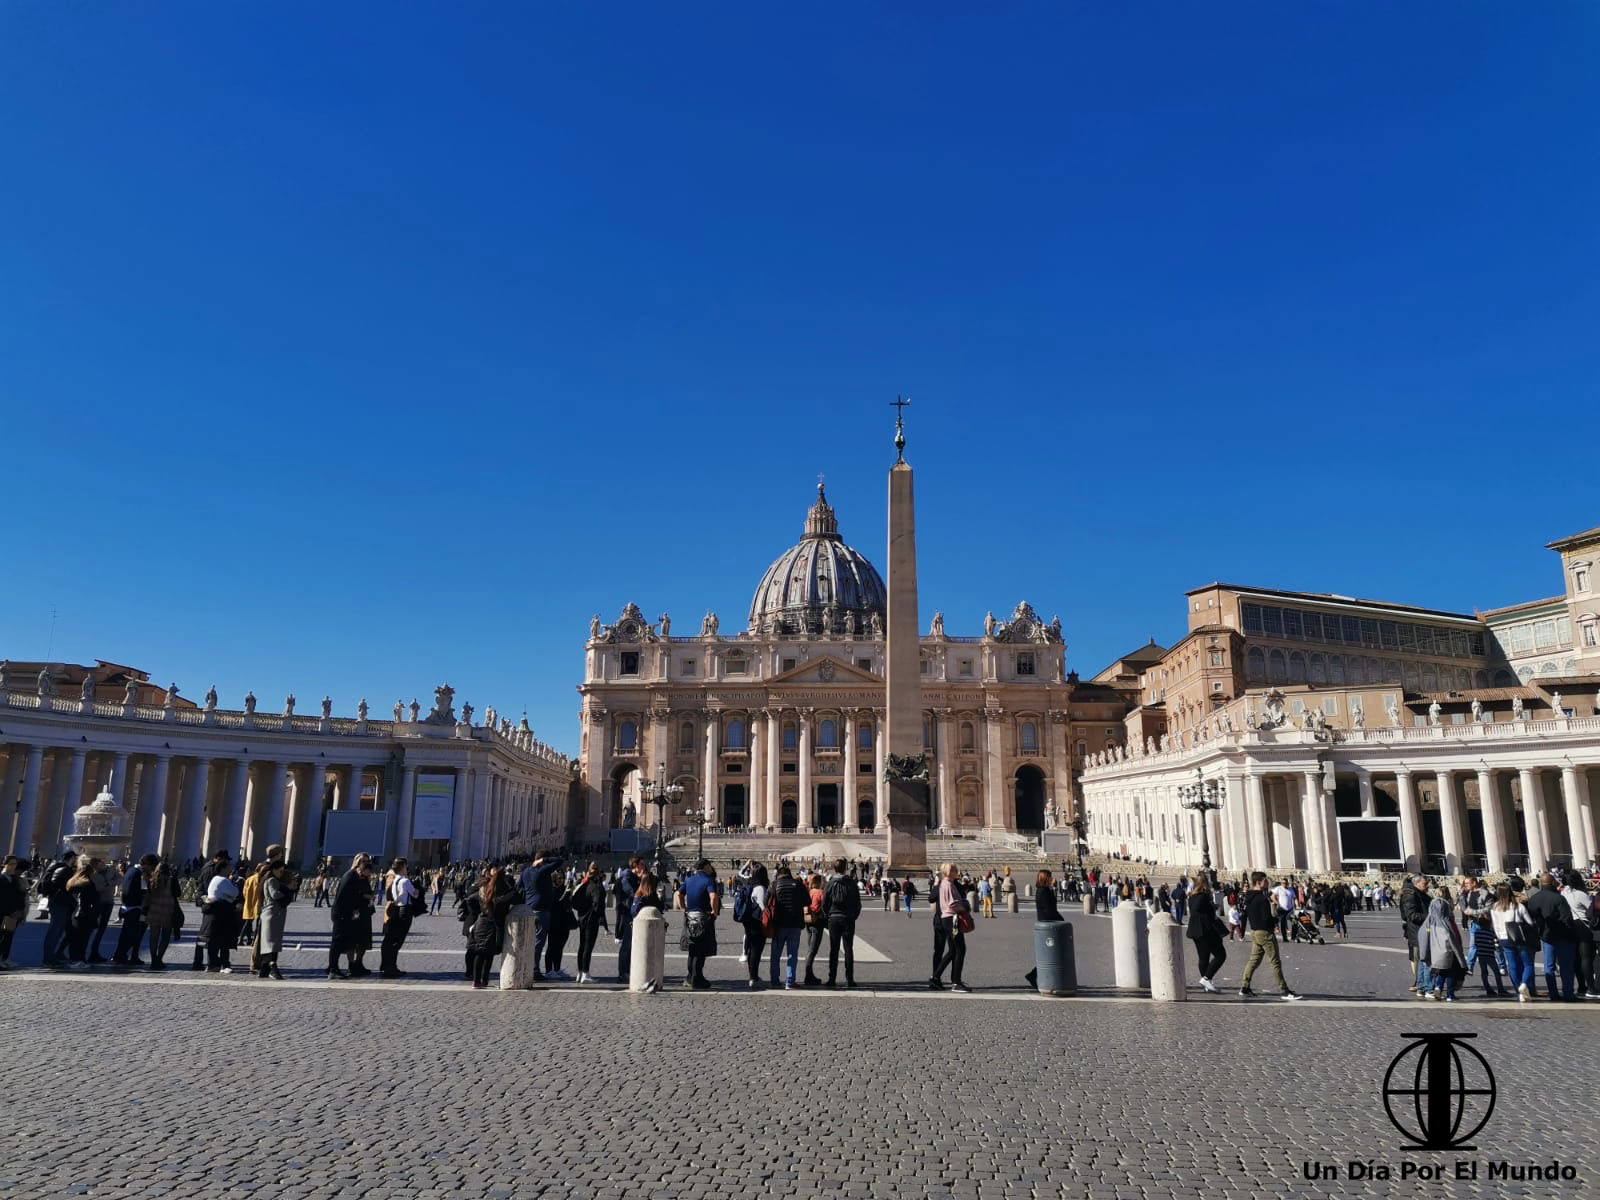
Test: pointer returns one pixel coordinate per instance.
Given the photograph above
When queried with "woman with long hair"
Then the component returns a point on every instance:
(589, 906)
(280, 884)
(161, 914)
(1514, 931)
(486, 912)
(1439, 945)
(815, 927)
(755, 937)
(85, 901)
(1046, 910)
(1208, 931)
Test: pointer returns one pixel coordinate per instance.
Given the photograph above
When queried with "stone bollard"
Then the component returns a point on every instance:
(1130, 947)
(894, 902)
(648, 967)
(1011, 902)
(1054, 963)
(1027, 890)
(1088, 904)
(1166, 958)
(517, 965)
(972, 903)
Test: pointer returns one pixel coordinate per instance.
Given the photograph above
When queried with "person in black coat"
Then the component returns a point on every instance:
(1207, 930)
(219, 861)
(589, 907)
(352, 919)
(484, 913)
(1045, 909)
(841, 905)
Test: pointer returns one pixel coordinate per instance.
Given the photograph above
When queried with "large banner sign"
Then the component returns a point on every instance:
(435, 808)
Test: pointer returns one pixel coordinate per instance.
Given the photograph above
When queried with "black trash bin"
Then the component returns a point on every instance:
(1053, 958)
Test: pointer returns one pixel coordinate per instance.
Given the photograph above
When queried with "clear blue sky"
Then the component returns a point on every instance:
(351, 348)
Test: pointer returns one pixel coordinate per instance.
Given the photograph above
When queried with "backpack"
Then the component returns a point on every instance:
(419, 903)
(741, 904)
(769, 914)
(49, 882)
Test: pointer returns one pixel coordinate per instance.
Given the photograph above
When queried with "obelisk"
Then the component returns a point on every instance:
(905, 764)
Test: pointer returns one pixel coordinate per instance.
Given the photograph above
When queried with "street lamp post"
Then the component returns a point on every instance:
(1080, 829)
(662, 794)
(700, 817)
(1204, 796)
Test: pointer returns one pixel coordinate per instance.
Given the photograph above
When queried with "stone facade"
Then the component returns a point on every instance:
(779, 726)
(203, 779)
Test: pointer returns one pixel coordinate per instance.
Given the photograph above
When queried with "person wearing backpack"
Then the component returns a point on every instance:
(53, 887)
(626, 888)
(1552, 916)
(589, 906)
(749, 910)
(218, 865)
(841, 906)
(788, 901)
(539, 891)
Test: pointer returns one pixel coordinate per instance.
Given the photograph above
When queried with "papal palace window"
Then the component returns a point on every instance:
(1580, 579)
(1299, 625)
(630, 662)
(1025, 663)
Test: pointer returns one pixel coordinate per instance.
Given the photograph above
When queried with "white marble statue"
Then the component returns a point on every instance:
(47, 685)
(1391, 709)
(466, 713)
(250, 702)
(989, 625)
(327, 707)
(849, 623)
(936, 629)
(1149, 745)
(594, 626)
(1558, 709)
(399, 711)
(666, 625)
(1358, 717)
(288, 705)
(1477, 711)
(1433, 713)
(1166, 742)
(211, 698)
(416, 709)
(876, 626)
(172, 696)
(361, 710)
(86, 692)
(1517, 713)
(708, 626)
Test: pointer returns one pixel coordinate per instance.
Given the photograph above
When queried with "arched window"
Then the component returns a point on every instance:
(1480, 679)
(828, 735)
(1030, 737)
(733, 735)
(790, 737)
(967, 742)
(686, 736)
(1256, 665)
(1297, 667)
(864, 737)
(1318, 667)
(1277, 666)
(627, 736)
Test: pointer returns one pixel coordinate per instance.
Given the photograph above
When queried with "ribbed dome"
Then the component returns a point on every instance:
(820, 585)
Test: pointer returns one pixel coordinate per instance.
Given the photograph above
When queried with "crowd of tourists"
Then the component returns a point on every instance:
(782, 916)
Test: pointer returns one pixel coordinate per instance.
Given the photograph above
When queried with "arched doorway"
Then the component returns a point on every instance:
(791, 816)
(624, 790)
(867, 816)
(1030, 799)
(828, 806)
(733, 804)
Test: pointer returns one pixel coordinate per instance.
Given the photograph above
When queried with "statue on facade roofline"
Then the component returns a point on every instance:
(1149, 745)
(936, 627)
(666, 625)
(86, 692)
(327, 707)
(1517, 712)
(172, 696)
(1391, 709)
(288, 705)
(1358, 717)
(361, 710)
(1477, 711)
(416, 710)
(249, 700)
(47, 685)
(594, 626)
(399, 711)
(849, 622)
(466, 713)
(1055, 629)
(876, 624)
(1558, 710)
(989, 624)
(709, 626)
(211, 698)
(1434, 710)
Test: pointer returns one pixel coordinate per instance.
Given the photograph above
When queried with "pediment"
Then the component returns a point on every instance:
(826, 671)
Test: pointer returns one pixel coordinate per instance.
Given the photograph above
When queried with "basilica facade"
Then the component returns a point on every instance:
(777, 726)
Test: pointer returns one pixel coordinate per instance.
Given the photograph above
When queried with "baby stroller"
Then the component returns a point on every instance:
(1304, 928)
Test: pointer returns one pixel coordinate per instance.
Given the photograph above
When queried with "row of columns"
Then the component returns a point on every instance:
(1287, 821)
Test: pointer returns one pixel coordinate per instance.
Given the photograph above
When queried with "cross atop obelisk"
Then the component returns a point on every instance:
(906, 763)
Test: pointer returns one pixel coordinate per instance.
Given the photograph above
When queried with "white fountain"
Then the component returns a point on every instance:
(98, 828)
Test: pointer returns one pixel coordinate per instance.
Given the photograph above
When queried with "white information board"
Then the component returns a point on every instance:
(435, 809)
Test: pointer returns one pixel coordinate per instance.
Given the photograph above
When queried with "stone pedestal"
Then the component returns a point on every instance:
(648, 964)
(1088, 904)
(1130, 947)
(518, 965)
(908, 827)
(1011, 902)
(1167, 980)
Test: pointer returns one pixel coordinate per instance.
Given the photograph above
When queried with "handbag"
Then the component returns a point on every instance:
(964, 923)
(1517, 933)
(8, 924)
(177, 917)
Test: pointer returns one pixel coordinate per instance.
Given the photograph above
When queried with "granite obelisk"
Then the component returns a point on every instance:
(905, 763)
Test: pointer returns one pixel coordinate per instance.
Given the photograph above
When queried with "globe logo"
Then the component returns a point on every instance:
(1439, 1091)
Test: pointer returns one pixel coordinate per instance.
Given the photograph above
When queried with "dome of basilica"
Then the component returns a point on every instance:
(820, 585)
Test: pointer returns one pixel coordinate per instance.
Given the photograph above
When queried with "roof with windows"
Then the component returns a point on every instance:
(1329, 598)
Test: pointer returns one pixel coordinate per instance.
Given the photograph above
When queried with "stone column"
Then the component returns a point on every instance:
(407, 807)
(1494, 821)
(276, 832)
(807, 805)
(1533, 817)
(710, 792)
(1364, 786)
(945, 752)
(1232, 844)
(1579, 836)
(152, 807)
(598, 797)
(1256, 805)
(774, 744)
(27, 814)
(1411, 847)
(460, 823)
(74, 795)
(120, 781)
(994, 798)
(1313, 813)
(54, 801)
(305, 835)
(880, 785)
(756, 809)
(1061, 767)
(191, 824)
(230, 836)
(849, 816)
(1450, 818)
(14, 843)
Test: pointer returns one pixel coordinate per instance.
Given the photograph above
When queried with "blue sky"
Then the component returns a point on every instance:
(346, 349)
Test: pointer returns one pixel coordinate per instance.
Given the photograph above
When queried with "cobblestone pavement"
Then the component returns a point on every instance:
(206, 1086)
